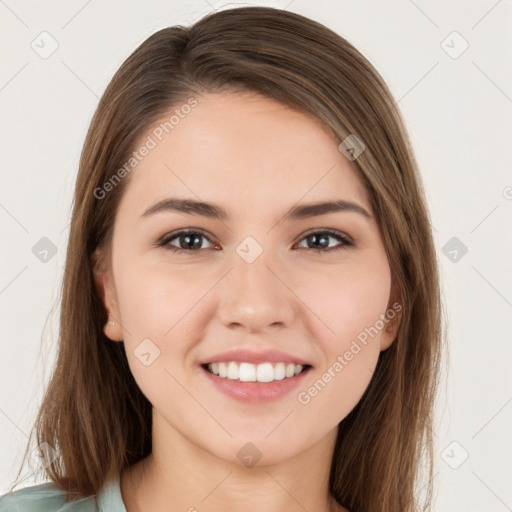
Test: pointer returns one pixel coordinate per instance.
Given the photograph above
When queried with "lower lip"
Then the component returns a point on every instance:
(255, 392)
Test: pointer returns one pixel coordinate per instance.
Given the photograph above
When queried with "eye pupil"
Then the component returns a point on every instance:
(196, 240)
(316, 238)
(317, 241)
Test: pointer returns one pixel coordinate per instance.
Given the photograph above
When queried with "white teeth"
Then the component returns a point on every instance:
(265, 373)
(232, 370)
(290, 370)
(279, 371)
(247, 372)
(223, 370)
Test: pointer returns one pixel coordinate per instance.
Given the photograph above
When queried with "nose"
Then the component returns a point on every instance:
(256, 296)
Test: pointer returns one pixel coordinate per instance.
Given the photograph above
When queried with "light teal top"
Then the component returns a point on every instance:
(47, 498)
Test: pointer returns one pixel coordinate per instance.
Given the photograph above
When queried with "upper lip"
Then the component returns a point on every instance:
(255, 357)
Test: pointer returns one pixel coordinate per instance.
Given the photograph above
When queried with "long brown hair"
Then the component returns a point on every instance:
(93, 412)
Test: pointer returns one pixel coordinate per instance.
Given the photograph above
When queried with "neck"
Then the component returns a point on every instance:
(182, 475)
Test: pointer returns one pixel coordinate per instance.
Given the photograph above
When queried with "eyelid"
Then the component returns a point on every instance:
(344, 239)
(184, 231)
(330, 231)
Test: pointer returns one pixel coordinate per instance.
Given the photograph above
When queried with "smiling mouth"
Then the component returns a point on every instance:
(248, 372)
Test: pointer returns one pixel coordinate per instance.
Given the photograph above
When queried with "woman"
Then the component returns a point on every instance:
(251, 310)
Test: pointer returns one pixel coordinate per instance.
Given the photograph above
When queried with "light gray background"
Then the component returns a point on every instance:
(458, 111)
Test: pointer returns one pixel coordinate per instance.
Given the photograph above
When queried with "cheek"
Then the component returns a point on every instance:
(348, 301)
(354, 302)
(336, 389)
(153, 298)
(153, 306)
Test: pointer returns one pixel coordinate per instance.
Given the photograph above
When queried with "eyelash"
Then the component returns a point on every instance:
(166, 239)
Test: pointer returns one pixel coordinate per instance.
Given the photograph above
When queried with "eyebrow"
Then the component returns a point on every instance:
(303, 211)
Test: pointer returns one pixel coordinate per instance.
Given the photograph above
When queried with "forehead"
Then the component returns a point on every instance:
(241, 149)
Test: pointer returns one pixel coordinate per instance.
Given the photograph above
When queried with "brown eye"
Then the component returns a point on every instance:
(187, 240)
(319, 240)
(190, 240)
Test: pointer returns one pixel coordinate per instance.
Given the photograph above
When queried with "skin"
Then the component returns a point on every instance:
(256, 158)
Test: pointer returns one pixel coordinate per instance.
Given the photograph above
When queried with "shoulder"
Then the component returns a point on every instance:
(44, 498)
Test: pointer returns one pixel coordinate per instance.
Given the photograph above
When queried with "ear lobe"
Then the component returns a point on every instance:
(105, 288)
(393, 319)
(388, 334)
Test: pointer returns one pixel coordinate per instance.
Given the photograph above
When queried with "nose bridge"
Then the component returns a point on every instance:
(253, 294)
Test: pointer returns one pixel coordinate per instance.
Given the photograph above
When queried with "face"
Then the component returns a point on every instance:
(260, 286)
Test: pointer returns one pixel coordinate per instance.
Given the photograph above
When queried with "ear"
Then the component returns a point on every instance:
(392, 320)
(104, 283)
